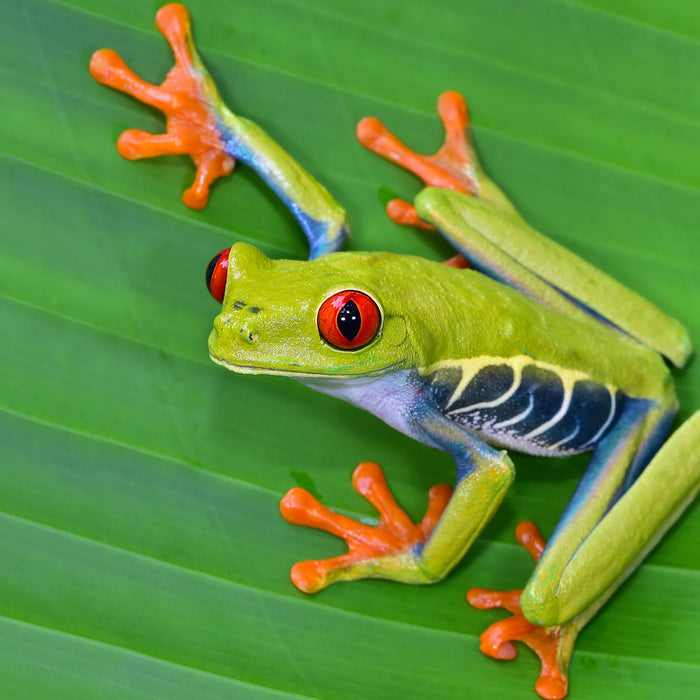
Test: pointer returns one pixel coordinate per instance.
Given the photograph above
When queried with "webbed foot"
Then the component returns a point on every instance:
(384, 551)
(554, 645)
(187, 97)
(453, 167)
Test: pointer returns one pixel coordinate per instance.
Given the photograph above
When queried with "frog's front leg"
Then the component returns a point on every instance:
(199, 124)
(396, 549)
(372, 551)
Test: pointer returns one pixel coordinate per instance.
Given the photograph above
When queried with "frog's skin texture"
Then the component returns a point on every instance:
(533, 350)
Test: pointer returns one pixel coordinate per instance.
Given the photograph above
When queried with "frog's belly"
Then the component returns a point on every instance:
(525, 405)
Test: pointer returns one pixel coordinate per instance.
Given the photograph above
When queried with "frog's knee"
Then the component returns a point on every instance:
(540, 605)
(432, 201)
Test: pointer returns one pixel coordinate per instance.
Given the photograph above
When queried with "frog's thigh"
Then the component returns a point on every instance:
(501, 245)
(584, 564)
(489, 239)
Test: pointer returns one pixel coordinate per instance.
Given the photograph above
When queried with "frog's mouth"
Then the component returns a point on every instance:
(256, 369)
(296, 373)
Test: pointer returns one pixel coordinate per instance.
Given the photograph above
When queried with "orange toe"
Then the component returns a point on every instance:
(183, 97)
(394, 535)
(451, 167)
(546, 642)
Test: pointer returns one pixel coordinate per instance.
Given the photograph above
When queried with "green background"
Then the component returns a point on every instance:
(141, 551)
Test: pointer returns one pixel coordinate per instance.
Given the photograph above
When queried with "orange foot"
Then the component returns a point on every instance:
(186, 97)
(552, 644)
(452, 167)
(384, 551)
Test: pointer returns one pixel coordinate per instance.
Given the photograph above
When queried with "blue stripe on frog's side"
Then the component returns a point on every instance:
(526, 405)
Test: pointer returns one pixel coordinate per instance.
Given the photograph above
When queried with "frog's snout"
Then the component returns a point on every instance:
(232, 328)
(234, 338)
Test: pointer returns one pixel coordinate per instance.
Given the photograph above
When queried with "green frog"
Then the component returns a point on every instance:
(515, 344)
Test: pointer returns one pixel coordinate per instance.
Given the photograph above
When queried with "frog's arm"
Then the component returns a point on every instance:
(397, 549)
(475, 216)
(483, 477)
(199, 124)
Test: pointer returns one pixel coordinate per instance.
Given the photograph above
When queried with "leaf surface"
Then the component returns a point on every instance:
(142, 551)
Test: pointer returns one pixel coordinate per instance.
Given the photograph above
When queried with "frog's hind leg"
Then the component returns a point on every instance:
(629, 486)
(469, 210)
(466, 207)
(616, 517)
(200, 125)
(574, 579)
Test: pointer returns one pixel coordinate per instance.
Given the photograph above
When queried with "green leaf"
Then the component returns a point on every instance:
(142, 553)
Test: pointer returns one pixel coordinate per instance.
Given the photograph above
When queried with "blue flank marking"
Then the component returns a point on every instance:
(605, 459)
(535, 401)
(651, 445)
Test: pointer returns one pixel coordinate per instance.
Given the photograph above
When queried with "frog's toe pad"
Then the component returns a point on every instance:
(403, 213)
(384, 551)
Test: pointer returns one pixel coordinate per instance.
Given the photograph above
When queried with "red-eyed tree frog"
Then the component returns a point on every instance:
(533, 350)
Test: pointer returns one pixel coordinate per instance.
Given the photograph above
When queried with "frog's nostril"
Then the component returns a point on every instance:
(248, 336)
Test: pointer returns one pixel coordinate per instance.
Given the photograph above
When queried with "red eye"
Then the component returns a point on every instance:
(216, 275)
(348, 320)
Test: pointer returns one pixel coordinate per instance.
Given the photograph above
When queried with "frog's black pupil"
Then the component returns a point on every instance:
(210, 269)
(349, 320)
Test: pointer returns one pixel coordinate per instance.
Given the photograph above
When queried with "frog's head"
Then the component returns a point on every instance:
(339, 315)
